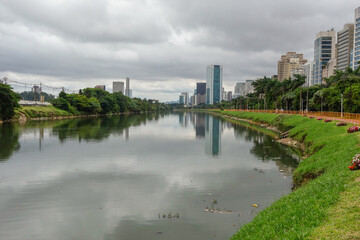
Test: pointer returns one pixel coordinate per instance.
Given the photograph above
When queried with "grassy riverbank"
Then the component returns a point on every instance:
(39, 112)
(320, 208)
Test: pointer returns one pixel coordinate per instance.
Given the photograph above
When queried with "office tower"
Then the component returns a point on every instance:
(102, 87)
(229, 96)
(214, 81)
(289, 62)
(118, 87)
(356, 52)
(345, 41)
(181, 100)
(240, 89)
(200, 93)
(324, 51)
(184, 97)
(127, 91)
(249, 88)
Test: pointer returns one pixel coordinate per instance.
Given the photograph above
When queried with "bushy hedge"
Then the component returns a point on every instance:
(8, 102)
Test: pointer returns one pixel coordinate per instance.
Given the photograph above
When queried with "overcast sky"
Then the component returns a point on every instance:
(164, 46)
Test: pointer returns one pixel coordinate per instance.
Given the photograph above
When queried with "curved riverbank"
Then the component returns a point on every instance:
(323, 183)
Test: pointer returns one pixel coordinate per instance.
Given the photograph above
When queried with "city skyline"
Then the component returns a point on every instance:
(40, 46)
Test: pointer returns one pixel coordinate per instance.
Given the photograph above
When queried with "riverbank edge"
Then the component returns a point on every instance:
(59, 115)
(273, 131)
(295, 227)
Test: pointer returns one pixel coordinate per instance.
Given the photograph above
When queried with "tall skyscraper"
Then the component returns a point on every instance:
(324, 51)
(214, 81)
(289, 62)
(118, 87)
(357, 39)
(308, 72)
(127, 91)
(345, 41)
(249, 88)
(184, 98)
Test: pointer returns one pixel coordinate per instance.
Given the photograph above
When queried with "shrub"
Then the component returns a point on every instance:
(355, 164)
(61, 103)
(8, 101)
(353, 129)
(327, 120)
(341, 124)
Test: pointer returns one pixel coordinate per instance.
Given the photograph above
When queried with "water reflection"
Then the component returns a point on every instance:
(9, 140)
(98, 185)
(212, 135)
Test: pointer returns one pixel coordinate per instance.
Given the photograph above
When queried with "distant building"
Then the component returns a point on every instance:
(36, 89)
(324, 51)
(299, 71)
(308, 72)
(200, 93)
(289, 62)
(329, 69)
(229, 96)
(100, 87)
(128, 90)
(345, 41)
(249, 88)
(223, 95)
(118, 87)
(240, 89)
(356, 55)
(181, 100)
(214, 82)
(186, 98)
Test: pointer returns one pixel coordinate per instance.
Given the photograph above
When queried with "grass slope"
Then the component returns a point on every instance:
(308, 212)
(36, 112)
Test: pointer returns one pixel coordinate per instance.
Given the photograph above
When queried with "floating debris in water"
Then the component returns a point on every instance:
(255, 205)
(169, 215)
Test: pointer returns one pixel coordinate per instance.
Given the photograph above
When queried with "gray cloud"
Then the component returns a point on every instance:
(164, 46)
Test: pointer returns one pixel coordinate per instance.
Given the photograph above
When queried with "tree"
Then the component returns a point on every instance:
(8, 102)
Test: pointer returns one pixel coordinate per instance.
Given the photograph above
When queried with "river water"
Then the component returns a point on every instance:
(175, 176)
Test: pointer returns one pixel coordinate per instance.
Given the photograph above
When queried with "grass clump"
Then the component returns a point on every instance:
(322, 180)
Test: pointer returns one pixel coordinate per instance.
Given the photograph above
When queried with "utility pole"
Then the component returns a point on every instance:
(342, 105)
(321, 105)
(300, 105)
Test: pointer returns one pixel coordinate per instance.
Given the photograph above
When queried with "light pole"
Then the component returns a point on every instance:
(342, 105)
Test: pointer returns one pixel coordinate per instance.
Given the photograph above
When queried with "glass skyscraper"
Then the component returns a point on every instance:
(214, 81)
(324, 51)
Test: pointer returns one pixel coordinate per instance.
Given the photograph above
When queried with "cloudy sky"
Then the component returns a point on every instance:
(162, 45)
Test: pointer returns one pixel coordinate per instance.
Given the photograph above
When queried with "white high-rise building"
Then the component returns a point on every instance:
(214, 82)
(118, 87)
(345, 41)
(240, 89)
(128, 91)
(249, 88)
(357, 39)
(308, 72)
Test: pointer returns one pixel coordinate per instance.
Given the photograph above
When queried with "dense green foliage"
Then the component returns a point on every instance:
(303, 213)
(94, 101)
(8, 102)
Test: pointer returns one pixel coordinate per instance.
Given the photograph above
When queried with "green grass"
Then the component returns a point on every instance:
(304, 213)
(38, 112)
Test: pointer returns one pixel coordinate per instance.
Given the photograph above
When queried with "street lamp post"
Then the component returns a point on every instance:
(342, 105)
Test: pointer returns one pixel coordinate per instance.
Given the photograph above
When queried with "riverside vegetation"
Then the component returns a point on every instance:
(88, 101)
(324, 204)
(289, 94)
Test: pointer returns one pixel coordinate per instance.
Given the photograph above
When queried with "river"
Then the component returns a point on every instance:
(146, 176)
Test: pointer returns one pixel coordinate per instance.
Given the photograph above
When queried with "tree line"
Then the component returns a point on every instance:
(98, 101)
(87, 101)
(293, 95)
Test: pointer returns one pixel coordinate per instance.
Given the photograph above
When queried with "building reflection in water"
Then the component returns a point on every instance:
(212, 135)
